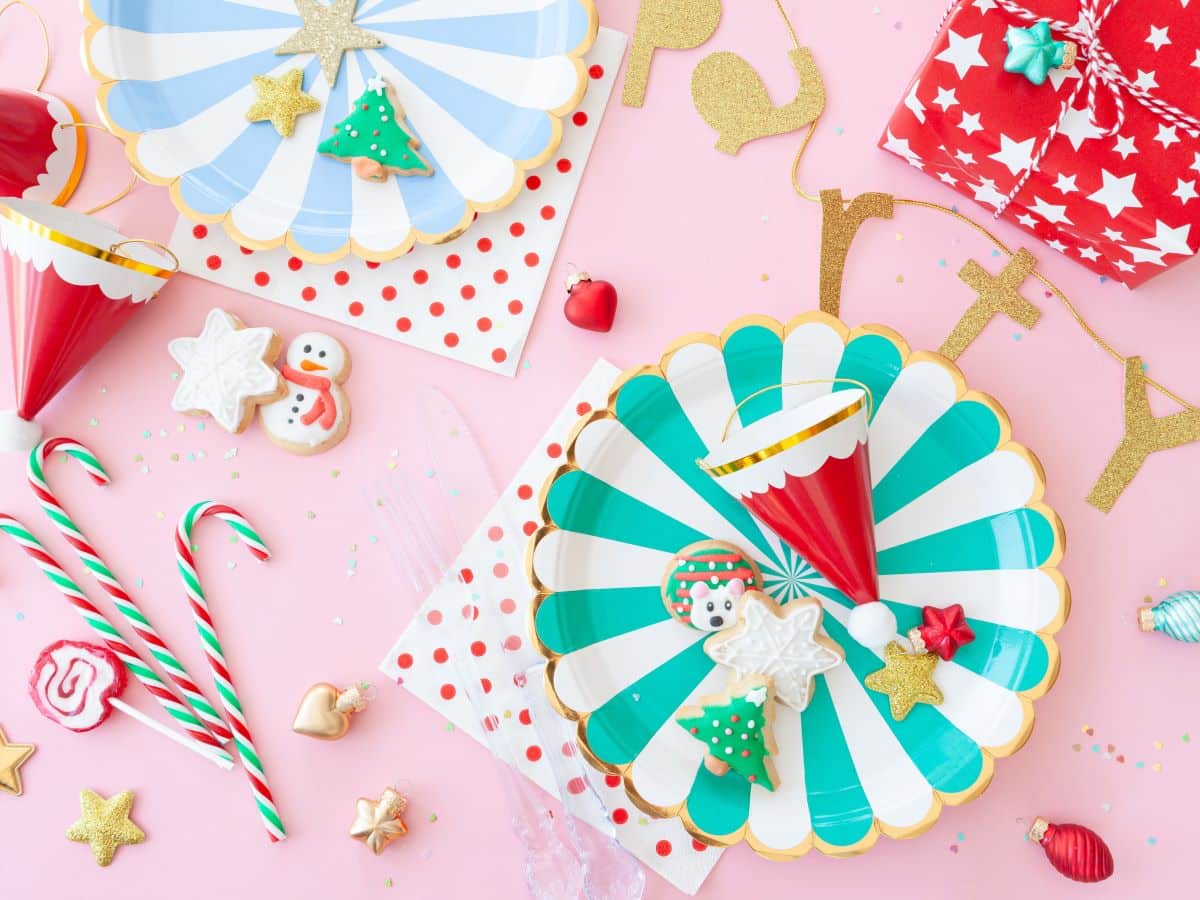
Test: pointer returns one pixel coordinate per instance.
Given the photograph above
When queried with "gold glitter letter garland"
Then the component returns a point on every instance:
(730, 96)
(998, 295)
(669, 25)
(839, 225)
(1144, 434)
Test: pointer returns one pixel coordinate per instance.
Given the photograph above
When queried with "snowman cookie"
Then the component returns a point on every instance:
(314, 415)
(704, 583)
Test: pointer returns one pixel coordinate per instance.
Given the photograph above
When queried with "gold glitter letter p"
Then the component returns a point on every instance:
(1144, 434)
(671, 25)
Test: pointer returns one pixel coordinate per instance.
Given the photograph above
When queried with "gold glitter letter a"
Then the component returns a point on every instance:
(1144, 434)
(670, 25)
(998, 295)
(839, 224)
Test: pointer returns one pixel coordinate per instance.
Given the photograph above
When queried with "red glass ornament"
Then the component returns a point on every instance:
(590, 304)
(943, 631)
(1075, 851)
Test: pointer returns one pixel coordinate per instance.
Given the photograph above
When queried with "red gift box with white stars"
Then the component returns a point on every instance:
(1126, 204)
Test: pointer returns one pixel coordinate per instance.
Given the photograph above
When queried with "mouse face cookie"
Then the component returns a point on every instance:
(314, 414)
(227, 371)
(705, 582)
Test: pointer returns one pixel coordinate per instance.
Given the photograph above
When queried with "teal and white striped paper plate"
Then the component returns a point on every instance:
(959, 519)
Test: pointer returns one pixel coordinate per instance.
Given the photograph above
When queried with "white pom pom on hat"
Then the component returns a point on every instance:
(17, 435)
(872, 624)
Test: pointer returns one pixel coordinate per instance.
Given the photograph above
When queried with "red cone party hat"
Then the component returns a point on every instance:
(71, 282)
(38, 159)
(806, 474)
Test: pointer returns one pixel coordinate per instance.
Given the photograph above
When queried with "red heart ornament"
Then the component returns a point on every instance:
(590, 304)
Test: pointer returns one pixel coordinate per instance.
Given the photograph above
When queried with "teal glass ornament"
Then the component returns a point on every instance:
(1033, 52)
(1177, 617)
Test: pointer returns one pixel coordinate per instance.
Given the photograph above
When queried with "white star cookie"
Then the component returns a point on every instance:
(780, 643)
(227, 371)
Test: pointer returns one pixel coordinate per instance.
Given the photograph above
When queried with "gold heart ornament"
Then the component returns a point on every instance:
(325, 711)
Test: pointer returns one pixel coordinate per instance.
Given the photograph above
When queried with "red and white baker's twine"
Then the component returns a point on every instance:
(216, 656)
(106, 632)
(126, 606)
(1099, 69)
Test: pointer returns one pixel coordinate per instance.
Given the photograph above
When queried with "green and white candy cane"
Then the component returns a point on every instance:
(216, 656)
(133, 615)
(1177, 617)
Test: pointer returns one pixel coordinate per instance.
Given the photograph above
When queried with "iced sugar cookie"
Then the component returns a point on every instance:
(735, 728)
(705, 582)
(227, 371)
(314, 414)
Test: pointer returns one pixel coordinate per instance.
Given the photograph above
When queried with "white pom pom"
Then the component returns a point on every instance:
(17, 435)
(872, 624)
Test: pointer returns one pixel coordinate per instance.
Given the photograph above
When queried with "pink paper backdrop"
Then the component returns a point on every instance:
(692, 239)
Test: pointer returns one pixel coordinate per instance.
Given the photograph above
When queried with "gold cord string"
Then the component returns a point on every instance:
(999, 244)
(46, 35)
(133, 178)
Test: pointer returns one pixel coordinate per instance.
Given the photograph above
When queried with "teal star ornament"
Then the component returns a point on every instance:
(1033, 52)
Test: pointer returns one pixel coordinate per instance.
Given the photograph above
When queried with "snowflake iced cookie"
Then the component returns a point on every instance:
(779, 643)
(227, 371)
(704, 583)
(314, 414)
(372, 139)
(735, 728)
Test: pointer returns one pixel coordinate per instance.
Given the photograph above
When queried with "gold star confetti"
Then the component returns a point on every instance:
(329, 31)
(12, 757)
(378, 823)
(105, 824)
(907, 679)
(281, 100)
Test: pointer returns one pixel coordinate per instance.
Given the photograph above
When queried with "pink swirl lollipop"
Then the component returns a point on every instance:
(78, 685)
(73, 684)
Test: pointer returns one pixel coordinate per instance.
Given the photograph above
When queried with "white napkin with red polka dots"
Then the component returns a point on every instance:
(417, 661)
(472, 299)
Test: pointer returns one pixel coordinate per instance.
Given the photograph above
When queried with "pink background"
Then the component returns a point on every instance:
(692, 239)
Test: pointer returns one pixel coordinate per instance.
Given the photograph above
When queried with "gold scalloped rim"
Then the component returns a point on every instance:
(352, 247)
(1026, 697)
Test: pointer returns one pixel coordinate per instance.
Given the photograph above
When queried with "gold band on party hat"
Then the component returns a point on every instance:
(109, 256)
(787, 443)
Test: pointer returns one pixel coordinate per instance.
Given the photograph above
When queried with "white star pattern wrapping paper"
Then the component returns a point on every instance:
(1125, 204)
(472, 299)
(662, 845)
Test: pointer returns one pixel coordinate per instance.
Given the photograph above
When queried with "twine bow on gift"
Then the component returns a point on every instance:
(1101, 74)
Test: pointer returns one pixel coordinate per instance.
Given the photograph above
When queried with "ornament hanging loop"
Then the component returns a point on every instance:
(771, 387)
(45, 35)
(351, 700)
(161, 248)
(133, 177)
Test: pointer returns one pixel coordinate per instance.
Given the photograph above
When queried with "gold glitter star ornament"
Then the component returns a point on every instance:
(281, 100)
(12, 757)
(105, 824)
(378, 823)
(329, 31)
(907, 679)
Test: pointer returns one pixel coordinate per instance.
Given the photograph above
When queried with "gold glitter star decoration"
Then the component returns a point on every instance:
(12, 757)
(281, 100)
(329, 31)
(105, 824)
(907, 679)
(378, 823)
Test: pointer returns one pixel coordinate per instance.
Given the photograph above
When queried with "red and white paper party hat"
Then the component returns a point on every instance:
(40, 159)
(71, 282)
(806, 474)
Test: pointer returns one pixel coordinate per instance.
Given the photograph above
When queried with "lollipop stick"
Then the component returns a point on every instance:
(196, 747)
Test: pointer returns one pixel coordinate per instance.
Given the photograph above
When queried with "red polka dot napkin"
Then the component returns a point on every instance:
(472, 299)
(420, 659)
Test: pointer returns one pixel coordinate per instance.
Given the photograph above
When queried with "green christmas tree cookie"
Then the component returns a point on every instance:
(372, 139)
(735, 728)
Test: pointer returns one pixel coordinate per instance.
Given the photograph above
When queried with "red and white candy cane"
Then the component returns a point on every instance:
(216, 656)
(90, 557)
(112, 638)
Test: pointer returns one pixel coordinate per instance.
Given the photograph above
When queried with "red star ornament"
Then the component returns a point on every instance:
(943, 632)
